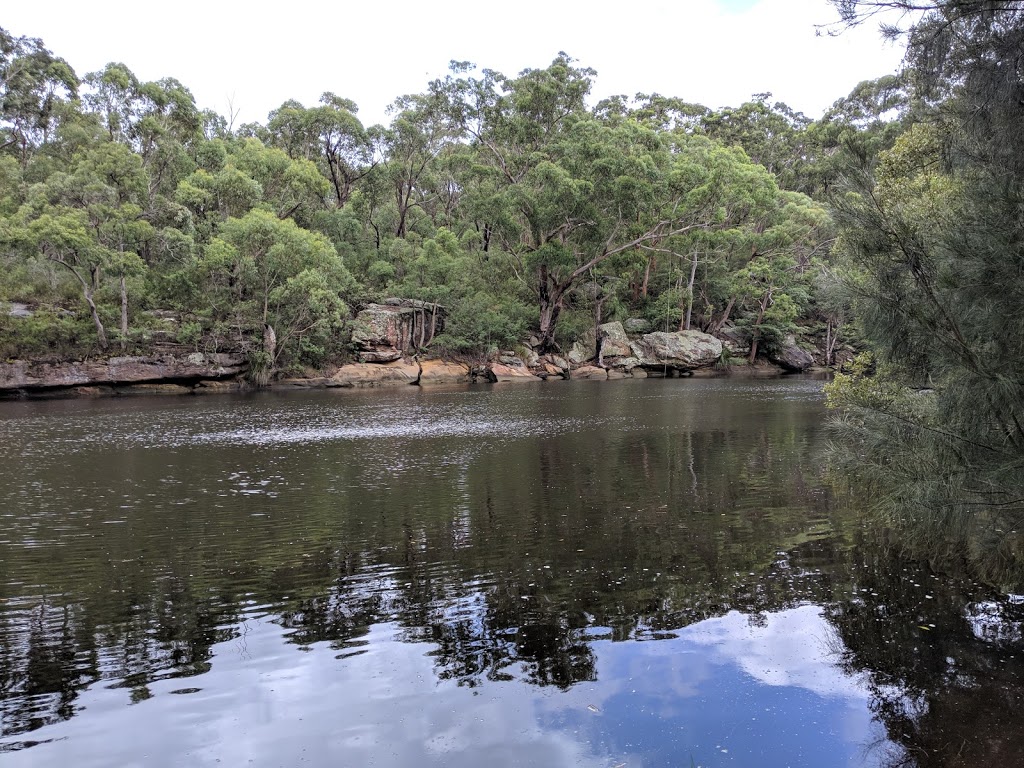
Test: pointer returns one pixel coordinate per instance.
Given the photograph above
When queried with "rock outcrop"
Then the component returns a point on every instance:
(589, 373)
(637, 325)
(443, 372)
(613, 342)
(679, 351)
(507, 368)
(791, 357)
(376, 374)
(384, 333)
(29, 377)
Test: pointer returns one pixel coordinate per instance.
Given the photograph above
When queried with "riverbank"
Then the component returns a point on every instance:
(384, 359)
(199, 374)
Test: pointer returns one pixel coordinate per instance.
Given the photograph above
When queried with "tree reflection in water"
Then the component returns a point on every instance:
(511, 561)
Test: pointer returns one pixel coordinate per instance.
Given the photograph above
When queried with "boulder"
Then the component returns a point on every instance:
(791, 357)
(580, 353)
(28, 375)
(380, 334)
(589, 372)
(19, 310)
(553, 371)
(637, 325)
(615, 373)
(626, 364)
(556, 360)
(443, 372)
(501, 372)
(638, 373)
(376, 374)
(682, 350)
(511, 360)
(614, 342)
(737, 341)
(585, 348)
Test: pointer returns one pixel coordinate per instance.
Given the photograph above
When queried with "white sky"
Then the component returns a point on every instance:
(715, 52)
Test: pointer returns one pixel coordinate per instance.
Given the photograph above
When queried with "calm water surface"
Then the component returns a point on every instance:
(637, 573)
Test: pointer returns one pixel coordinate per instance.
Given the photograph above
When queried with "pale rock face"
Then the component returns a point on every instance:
(614, 342)
(443, 372)
(27, 375)
(580, 352)
(791, 357)
(376, 374)
(589, 372)
(637, 325)
(501, 372)
(380, 333)
(385, 332)
(556, 360)
(682, 350)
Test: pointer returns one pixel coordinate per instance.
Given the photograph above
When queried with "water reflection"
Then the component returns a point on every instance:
(456, 577)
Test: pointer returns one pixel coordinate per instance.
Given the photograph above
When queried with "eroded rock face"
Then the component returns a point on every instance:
(636, 325)
(502, 372)
(791, 357)
(198, 366)
(682, 350)
(376, 374)
(614, 342)
(443, 372)
(583, 349)
(589, 372)
(383, 333)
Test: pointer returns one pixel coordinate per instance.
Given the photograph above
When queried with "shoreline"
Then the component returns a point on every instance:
(199, 375)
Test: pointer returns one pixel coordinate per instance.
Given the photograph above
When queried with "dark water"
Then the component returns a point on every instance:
(638, 573)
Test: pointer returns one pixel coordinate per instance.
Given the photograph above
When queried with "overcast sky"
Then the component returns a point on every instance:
(255, 56)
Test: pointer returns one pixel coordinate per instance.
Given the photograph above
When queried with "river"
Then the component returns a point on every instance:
(619, 574)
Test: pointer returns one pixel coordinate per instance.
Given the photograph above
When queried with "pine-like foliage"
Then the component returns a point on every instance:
(935, 229)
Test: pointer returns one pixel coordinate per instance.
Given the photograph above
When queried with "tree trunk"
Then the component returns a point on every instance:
(598, 306)
(100, 330)
(87, 290)
(550, 300)
(340, 197)
(261, 375)
(402, 196)
(124, 313)
(647, 277)
(689, 292)
(720, 323)
(755, 333)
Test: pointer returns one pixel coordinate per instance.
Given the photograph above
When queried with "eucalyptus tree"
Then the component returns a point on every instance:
(330, 135)
(89, 223)
(421, 130)
(772, 134)
(564, 192)
(272, 280)
(158, 120)
(37, 89)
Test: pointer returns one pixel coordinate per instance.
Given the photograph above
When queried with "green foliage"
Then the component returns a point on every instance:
(503, 199)
(932, 233)
(48, 334)
(483, 322)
